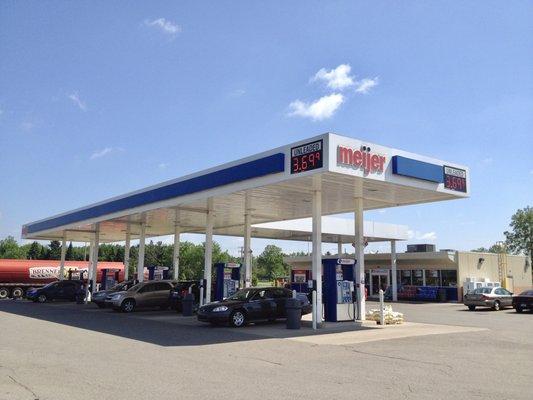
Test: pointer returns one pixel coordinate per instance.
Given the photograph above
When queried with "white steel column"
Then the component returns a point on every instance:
(95, 257)
(89, 271)
(360, 257)
(316, 263)
(247, 242)
(63, 254)
(127, 254)
(393, 270)
(176, 254)
(208, 256)
(140, 260)
(339, 247)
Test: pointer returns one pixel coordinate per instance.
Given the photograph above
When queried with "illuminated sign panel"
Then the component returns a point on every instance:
(307, 157)
(455, 179)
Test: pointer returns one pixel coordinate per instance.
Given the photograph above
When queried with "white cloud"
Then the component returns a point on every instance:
(162, 165)
(237, 93)
(164, 26)
(487, 160)
(27, 126)
(318, 110)
(338, 78)
(104, 152)
(75, 98)
(364, 85)
(417, 235)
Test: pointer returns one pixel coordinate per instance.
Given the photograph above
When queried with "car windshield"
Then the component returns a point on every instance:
(136, 287)
(49, 285)
(483, 290)
(242, 295)
(119, 287)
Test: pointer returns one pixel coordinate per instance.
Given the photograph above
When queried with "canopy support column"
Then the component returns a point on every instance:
(339, 247)
(208, 250)
(247, 242)
(127, 254)
(95, 257)
(140, 261)
(63, 254)
(316, 235)
(393, 270)
(176, 254)
(89, 271)
(360, 257)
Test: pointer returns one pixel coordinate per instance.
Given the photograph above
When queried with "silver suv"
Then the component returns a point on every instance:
(144, 294)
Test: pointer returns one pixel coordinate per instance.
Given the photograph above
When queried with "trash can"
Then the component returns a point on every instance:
(187, 305)
(442, 295)
(294, 313)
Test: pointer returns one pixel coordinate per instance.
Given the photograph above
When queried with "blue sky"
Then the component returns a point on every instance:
(100, 98)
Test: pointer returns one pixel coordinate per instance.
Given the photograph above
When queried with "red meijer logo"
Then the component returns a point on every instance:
(363, 158)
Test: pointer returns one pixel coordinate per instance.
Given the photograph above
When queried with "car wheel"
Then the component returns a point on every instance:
(496, 306)
(128, 305)
(4, 293)
(42, 298)
(519, 309)
(237, 318)
(472, 308)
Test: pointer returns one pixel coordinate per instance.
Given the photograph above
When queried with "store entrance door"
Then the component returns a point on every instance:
(379, 280)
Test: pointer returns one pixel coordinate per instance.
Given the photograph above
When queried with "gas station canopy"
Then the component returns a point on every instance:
(334, 230)
(275, 185)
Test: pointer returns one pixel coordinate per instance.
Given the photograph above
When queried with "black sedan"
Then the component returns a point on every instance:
(252, 304)
(524, 301)
(59, 290)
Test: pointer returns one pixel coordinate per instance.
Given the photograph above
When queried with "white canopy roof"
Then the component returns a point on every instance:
(278, 185)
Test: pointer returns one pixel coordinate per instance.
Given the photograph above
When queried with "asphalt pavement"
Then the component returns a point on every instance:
(68, 351)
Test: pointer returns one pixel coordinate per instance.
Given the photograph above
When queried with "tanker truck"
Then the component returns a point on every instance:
(17, 276)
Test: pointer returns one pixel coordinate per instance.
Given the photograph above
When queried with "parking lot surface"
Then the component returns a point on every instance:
(68, 351)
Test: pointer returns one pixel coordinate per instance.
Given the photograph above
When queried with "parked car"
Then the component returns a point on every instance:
(250, 304)
(143, 294)
(180, 290)
(58, 290)
(492, 297)
(99, 297)
(524, 301)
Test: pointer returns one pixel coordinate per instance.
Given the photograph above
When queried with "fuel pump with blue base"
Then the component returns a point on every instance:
(227, 281)
(338, 288)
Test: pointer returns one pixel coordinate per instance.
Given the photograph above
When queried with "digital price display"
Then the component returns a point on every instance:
(455, 179)
(306, 157)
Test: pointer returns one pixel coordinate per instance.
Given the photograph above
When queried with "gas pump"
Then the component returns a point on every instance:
(157, 273)
(109, 278)
(228, 277)
(338, 290)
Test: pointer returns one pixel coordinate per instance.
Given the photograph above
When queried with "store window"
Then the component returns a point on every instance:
(418, 277)
(449, 277)
(432, 277)
(404, 277)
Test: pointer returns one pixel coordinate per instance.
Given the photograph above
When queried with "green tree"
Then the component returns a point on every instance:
(55, 250)
(34, 251)
(69, 255)
(9, 248)
(270, 264)
(520, 238)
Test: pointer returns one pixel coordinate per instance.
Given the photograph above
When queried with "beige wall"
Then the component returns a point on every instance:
(469, 266)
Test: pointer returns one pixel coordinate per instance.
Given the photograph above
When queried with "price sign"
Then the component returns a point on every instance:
(455, 179)
(306, 157)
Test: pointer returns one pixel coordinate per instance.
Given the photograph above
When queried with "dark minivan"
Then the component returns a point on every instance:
(59, 290)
